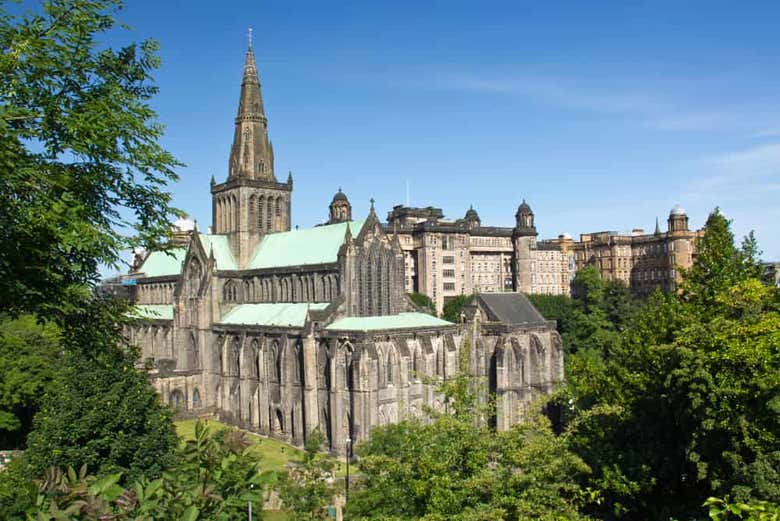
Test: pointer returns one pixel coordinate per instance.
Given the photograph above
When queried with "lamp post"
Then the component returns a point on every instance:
(349, 453)
(251, 486)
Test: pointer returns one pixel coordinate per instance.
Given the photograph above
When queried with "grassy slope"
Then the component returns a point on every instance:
(274, 454)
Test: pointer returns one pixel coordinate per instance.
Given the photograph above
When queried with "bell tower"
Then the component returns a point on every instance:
(251, 202)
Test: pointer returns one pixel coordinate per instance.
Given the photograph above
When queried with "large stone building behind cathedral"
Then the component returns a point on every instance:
(285, 331)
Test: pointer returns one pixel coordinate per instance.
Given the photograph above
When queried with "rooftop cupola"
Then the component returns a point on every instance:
(524, 220)
(340, 209)
(678, 219)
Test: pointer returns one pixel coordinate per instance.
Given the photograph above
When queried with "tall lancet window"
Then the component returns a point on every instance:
(269, 215)
(260, 210)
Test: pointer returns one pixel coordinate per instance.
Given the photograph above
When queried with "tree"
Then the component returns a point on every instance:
(719, 263)
(685, 404)
(213, 476)
(456, 467)
(453, 308)
(102, 412)
(423, 302)
(554, 307)
(82, 175)
(29, 361)
(307, 488)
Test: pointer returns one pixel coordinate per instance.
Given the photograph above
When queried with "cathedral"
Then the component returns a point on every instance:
(283, 331)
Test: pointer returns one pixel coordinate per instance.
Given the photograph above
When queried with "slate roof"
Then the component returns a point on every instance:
(319, 245)
(282, 315)
(153, 311)
(163, 263)
(400, 321)
(510, 308)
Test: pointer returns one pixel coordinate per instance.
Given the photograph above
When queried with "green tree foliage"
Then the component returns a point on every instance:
(423, 302)
(723, 510)
(453, 308)
(82, 176)
(456, 468)
(102, 412)
(29, 361)
(307, 490)
(212, 477)
(554, 307)
(685, 405)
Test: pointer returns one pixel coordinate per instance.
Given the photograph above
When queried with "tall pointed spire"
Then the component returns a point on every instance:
(251, 155)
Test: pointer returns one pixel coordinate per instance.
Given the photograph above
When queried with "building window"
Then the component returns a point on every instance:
(449, 273)
(449, 286)
(448, 259)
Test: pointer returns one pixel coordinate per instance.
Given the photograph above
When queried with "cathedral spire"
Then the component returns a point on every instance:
(251, 156)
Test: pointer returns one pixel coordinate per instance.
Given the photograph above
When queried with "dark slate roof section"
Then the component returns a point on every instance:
(510, 308)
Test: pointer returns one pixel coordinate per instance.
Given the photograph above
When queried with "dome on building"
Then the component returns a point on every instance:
(339, 196)
(677, 210)
(471, 214)
(524, 208)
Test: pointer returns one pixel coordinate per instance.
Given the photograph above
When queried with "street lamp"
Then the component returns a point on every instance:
(349, 453)
(251, 486)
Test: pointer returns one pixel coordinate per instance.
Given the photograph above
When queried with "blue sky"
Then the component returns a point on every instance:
(602, 115)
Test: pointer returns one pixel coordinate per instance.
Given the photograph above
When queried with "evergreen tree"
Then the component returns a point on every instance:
(102, 412)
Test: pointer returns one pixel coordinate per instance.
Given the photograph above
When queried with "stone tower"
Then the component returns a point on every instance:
(251, 202)
(340, 209)
(524, 242)
(678, 219)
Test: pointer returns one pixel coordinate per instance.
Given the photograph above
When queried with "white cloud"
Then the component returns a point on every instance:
(610, 97)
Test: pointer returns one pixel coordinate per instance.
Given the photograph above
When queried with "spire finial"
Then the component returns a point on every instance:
(372, 203)
(249, 38)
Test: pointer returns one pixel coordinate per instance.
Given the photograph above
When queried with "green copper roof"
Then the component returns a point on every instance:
(153, 311)
(284, 315)
(400, 321)
(162, 263)
(221, 248)
(319, 245)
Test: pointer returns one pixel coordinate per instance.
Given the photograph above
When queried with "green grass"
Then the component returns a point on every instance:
(274, 454)
(275, 515)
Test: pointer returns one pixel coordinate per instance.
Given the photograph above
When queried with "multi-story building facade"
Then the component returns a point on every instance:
(641, 261)
(446, 258)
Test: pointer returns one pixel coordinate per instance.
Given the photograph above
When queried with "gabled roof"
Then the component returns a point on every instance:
(153, 311)
(283, 315)
(163, 263)
(510, 308)
(221, 247)
(400, 321)
(319, 245)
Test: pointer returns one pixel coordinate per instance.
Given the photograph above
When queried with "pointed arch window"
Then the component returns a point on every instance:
(255, 363)
(390, 363)
(260, 209)
(194, 355)
(269, 215)
(235, 359)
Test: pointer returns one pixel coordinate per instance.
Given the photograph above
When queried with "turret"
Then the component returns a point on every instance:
(678, 219)
(524, 243)
(340, 209)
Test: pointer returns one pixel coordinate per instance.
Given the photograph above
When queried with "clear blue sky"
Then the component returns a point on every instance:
(602, 115)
